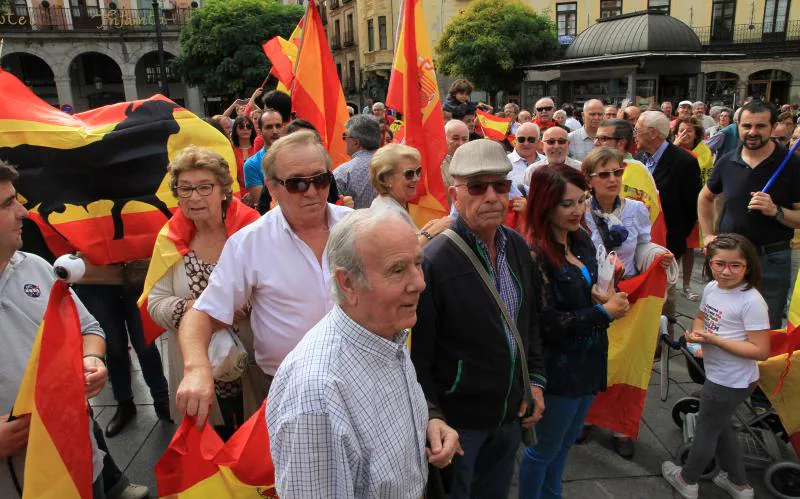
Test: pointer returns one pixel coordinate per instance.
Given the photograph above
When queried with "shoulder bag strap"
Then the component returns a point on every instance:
(462, 245)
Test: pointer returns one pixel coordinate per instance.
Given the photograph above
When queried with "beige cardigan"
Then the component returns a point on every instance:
(161, 303)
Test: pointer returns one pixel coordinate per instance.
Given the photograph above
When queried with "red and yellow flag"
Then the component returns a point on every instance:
(638, 184)
(172, 244)
(282, 53)
(631, 345)
(491, 126)
(317, 92)
(413, 91)
(780, 379)
(199, 465)
(97, 181)
(58, 463)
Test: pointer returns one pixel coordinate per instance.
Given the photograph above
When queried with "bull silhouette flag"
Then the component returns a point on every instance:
(96, 182)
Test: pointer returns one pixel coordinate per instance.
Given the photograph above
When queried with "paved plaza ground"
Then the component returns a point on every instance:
(594, 470)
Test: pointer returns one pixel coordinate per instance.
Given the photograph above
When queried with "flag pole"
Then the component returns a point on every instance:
(302, 41)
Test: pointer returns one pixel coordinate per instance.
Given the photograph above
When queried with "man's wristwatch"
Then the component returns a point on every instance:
(779, 214)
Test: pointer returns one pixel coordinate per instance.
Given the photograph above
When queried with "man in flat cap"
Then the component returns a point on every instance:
(468, 358)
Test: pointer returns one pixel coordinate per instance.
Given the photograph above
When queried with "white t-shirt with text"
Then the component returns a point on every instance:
(730, 313)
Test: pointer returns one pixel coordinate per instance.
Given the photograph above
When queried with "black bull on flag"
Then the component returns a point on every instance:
(96, 181)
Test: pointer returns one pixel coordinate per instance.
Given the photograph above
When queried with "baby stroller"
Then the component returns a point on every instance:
(761, 434)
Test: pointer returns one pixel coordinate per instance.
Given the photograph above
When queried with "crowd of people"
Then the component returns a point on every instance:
(399, 360)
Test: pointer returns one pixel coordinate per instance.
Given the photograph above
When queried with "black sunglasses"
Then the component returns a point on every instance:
(551, 142)
(245, 126)
(299, 185)
(617, 172)
(410, 174)
(605, 138)
(543, 109)
(522, 140)
(479, 188)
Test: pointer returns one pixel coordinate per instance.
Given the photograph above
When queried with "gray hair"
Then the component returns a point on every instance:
(448, 127)
(513, 107)
(378, 105)
(366, 129)
(698, 103)
(715, 111)
(343, 244)
(657, 120)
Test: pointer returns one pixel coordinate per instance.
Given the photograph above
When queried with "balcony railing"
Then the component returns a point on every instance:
(336, 43)
(348, 39)
(334, 4)
(83, 18)
(349, 86)
(346, 1)
(750, 37)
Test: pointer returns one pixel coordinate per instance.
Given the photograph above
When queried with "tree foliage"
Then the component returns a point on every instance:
(221, 45)
(488, 42)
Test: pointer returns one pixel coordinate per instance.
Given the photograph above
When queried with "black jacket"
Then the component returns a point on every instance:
(459, 346)
(677, 176)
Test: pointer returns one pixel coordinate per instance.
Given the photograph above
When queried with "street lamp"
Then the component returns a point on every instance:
(162, 67)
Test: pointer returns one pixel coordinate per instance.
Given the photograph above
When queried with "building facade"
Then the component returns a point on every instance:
(343, 36)
(90, 53)
(746, 48)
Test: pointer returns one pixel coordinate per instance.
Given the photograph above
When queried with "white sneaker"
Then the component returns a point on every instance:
(672, 474)
(722, 481)
(135, 491)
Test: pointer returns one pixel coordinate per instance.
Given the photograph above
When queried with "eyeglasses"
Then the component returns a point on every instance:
(551, 142)
(720, 265)
(345, 136)
(543, 109)
(411, 173)
(185, 191)
(477, 188)
(245, 126)
(637, 131)
(569, 203)
(299, 185)
(522, 140)
(617, 172)
(604, 138)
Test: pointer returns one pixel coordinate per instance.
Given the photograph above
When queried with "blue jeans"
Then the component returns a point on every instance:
(116, 311)
(543, 464)
(487, 466)
(775, 283)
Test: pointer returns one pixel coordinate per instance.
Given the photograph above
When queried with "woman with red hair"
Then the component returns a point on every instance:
(574, 317)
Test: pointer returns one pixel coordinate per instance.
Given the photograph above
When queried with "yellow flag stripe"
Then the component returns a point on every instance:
(46, 475)
(632, 343)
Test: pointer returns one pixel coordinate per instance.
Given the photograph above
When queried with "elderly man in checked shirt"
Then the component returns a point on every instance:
(346, 415)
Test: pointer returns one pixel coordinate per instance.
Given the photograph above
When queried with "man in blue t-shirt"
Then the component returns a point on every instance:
(272, 127)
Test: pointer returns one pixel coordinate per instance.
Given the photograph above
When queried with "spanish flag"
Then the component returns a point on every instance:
(58, 463)
(316, 91)
(282, 53)
(413, 91)
(631, 345)
(638, 184)
(491, 126)
(97, 181)
(172, 244)
(198, 465)
(780, 379)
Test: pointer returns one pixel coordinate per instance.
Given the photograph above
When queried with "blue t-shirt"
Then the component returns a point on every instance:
(253, 173)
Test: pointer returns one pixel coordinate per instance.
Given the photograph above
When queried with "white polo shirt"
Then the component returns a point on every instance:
(269, 266)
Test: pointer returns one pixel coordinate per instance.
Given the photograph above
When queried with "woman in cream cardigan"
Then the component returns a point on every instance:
(185, 254)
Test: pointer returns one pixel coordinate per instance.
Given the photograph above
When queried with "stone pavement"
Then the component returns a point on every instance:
(594, 470)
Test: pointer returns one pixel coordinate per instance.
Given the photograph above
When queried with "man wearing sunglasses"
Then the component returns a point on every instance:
(466, 356)
(556, 145)
(524, 153)
(362, 137)
(545, 107)
(276, 264)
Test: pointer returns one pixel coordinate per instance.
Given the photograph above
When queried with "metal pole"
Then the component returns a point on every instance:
(162, 67)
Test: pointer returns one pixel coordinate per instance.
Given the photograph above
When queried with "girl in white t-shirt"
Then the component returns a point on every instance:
(733, 327)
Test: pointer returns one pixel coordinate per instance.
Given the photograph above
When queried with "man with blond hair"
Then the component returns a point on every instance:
(286, 293)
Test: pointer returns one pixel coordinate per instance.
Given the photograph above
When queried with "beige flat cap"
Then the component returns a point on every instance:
(480, 157)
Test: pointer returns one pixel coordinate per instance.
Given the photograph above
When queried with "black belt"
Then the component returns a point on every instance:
(772, 247)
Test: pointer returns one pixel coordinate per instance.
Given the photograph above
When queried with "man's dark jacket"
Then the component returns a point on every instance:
(677, 176)
(459, 347)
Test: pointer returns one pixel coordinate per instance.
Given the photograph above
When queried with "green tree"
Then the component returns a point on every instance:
(221, 45)
(489, 41)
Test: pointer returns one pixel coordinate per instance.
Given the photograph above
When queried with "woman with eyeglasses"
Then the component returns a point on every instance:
(208, 215)
(573, 321)
(394, 172)
(243, 139)
(688, 134)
